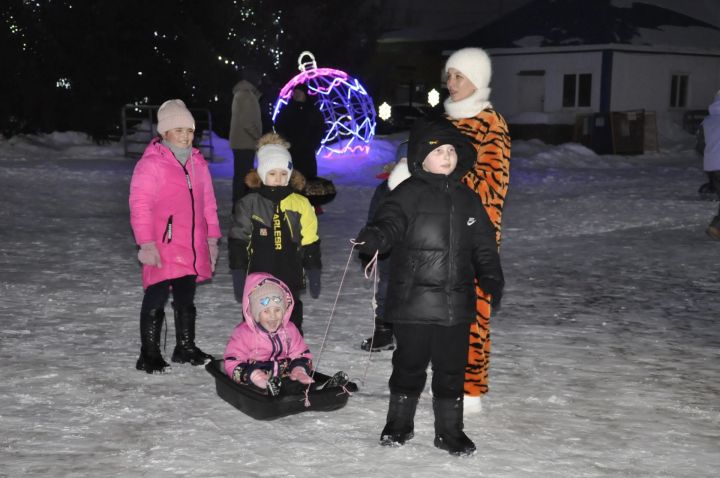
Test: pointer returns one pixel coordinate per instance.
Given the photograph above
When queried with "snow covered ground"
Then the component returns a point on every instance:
(605, 354)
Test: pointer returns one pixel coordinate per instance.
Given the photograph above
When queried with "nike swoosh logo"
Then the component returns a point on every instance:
(471, 221)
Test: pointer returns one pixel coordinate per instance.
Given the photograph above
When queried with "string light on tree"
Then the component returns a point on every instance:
(346, 107)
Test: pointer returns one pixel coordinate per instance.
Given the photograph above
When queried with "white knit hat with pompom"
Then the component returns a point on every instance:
(272, 154)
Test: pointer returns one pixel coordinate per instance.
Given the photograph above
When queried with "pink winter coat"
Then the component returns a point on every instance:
(250, 343)
(173, 206)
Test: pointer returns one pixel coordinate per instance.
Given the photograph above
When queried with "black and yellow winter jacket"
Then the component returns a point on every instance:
(275, 230)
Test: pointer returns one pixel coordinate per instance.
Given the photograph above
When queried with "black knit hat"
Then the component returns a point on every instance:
(429, 134)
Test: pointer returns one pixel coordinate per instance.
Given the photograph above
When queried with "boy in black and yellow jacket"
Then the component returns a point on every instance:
(274, 228)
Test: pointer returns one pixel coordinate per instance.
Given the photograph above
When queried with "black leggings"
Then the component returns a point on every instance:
(242, 164)
(183, 290)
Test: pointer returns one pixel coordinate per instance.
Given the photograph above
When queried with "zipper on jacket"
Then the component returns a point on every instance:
(168, 230)
(192, 228)
(451, 249)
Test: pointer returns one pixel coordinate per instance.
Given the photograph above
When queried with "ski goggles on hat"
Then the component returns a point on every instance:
(264, 301)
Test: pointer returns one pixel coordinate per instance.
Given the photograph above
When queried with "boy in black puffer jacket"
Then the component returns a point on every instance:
(442, 241)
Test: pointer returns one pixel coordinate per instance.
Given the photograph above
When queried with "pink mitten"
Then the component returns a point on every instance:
(213, 246)
(259, 378)
(149, 255)
(300, 375)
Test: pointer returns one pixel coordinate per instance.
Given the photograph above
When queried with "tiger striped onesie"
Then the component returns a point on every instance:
(489, 179)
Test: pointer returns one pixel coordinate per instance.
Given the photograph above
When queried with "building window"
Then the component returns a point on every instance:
(576, 90)
(678, 91)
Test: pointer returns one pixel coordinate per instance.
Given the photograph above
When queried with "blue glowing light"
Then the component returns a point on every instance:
(346, 107)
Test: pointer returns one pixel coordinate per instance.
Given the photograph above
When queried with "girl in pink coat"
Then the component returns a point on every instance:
(173, 214)
(267, 349)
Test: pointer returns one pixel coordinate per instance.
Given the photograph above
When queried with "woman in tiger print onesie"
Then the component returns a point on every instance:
(468, 75)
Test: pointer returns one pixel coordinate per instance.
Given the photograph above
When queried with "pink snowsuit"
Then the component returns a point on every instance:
(250, 343)
(173, 206)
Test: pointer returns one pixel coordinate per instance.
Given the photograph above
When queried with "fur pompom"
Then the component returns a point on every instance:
(272, 138)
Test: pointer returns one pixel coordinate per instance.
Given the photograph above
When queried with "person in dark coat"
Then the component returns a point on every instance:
(442, 243)
(382, 338)
(302, 124)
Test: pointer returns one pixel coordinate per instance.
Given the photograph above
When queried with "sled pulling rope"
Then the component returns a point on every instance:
(329, 322)
(371, 272)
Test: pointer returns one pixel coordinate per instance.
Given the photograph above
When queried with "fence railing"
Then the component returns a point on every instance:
(138, 128)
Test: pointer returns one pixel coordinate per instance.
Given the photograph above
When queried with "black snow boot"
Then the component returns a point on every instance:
(185, 349)
(151, 359)
(400, 426)
(449, 433)
(382, 338)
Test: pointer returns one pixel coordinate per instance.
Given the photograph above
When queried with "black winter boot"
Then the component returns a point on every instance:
(400, 426)
(185, 349)
(382, 338)
(151, 359)
(449, 425)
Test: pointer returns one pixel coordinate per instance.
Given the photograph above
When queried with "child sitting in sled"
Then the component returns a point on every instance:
(266, 350)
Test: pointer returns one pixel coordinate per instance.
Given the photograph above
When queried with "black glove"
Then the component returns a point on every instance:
(238, 278)
(368, 241)
(313, 279)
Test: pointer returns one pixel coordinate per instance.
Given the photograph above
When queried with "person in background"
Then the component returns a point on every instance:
(711, 157)
(301, 123)
(442, 242)
(382, 338)
(245, 128)
(274, 228)
(173, 214)
(266, 349)
(468, 108)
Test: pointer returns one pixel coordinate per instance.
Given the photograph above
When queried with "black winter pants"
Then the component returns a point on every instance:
(417, 346)
(715, 181)
(242, 164)
(183, 290)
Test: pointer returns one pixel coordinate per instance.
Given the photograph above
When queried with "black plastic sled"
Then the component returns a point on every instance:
(319, 191)
(267, 407)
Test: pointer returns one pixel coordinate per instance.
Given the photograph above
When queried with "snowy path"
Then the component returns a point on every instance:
(605, 352)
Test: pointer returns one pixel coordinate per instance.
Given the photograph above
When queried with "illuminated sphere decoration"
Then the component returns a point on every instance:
(345, 105)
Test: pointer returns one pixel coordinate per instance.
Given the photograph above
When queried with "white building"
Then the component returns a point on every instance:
(556, 59)
(563, 81)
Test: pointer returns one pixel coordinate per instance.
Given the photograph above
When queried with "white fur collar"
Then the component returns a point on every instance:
(470, 106)
(399, 174)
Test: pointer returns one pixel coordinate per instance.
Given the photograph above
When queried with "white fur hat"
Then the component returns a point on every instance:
(174, 114)
(273, 155)
(474, 63)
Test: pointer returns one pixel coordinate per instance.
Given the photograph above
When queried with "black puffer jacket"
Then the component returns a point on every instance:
(440, 237)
